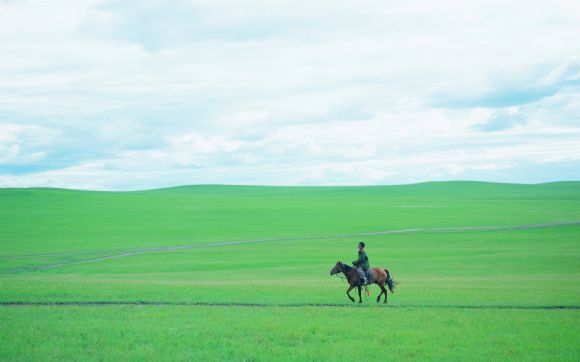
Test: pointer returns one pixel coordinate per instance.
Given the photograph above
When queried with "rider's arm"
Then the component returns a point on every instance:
(359, 260)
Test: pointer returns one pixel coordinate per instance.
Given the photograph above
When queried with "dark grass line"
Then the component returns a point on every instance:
(293, 305)
(139, 251)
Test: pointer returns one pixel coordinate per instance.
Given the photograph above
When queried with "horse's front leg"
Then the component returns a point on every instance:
(348, 293)
(359, 296)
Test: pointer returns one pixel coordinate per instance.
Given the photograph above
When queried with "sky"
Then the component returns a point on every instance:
(140, 94)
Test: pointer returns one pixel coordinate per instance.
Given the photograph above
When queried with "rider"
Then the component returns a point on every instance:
(362, 263)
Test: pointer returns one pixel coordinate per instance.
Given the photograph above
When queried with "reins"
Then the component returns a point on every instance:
(341, 276)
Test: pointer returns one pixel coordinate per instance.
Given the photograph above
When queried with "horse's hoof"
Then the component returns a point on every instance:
(360, 302)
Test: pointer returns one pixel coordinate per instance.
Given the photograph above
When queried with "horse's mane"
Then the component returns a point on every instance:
(346, 267)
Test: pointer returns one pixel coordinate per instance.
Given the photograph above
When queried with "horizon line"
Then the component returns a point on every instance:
(289, 186)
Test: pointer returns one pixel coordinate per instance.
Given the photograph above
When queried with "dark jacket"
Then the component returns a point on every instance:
(362, 261)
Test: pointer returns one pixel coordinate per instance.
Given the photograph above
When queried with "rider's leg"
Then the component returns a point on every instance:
(361, 275)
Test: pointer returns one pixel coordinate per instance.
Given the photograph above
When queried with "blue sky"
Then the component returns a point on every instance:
(124, 95)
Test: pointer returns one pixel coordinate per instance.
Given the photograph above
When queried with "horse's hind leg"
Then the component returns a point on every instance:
(359, 296)
(384, 290)
(381, 293)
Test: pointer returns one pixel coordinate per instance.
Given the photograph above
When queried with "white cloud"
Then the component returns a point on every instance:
(285, 92)
(24, 144)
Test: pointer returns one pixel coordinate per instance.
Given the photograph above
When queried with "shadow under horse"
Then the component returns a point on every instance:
(379, 276)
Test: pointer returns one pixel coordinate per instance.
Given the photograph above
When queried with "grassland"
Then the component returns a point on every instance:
(464, 294)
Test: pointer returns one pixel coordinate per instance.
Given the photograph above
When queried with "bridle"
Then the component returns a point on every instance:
(340, 274)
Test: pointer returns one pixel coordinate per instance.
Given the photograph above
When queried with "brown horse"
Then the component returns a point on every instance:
(378, 276)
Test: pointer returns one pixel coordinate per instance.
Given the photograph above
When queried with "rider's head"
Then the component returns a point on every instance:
(361, 245)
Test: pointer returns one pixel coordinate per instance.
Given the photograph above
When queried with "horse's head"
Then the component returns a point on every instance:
(338, 268)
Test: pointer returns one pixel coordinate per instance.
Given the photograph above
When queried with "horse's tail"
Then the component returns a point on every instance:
(390, 282)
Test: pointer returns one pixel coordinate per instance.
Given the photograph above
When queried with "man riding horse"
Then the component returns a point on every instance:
(354, 276)
(362, 263)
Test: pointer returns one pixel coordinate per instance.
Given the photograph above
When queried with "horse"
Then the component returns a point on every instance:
(379, 276)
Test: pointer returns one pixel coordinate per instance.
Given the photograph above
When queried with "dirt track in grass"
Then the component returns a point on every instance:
(262, 305)
(139, 251)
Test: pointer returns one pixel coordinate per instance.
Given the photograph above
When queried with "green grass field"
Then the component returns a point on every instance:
(465, 292)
